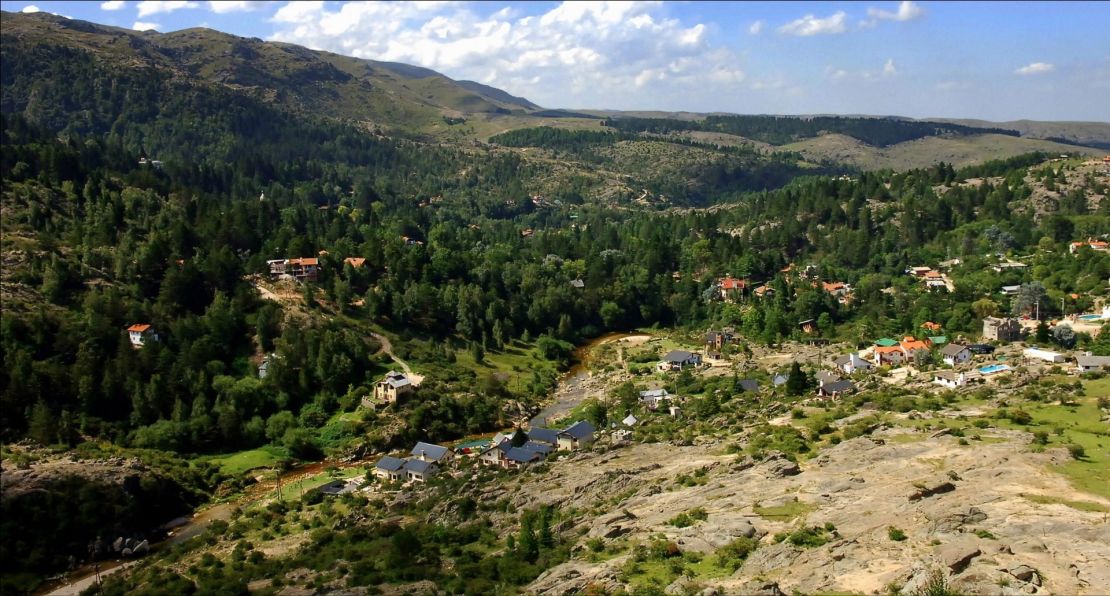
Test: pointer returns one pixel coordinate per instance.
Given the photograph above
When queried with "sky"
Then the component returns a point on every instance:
(990, 60)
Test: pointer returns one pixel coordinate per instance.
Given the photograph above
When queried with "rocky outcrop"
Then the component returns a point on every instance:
(574, 577)
(929, 489)
(951, 523)
(957, 555)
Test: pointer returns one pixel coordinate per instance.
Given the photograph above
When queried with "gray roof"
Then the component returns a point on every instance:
(630, 420)
(390, 463)
(842, 360)
(779, 380)
(653, 393)
(1089, 361)
(749, 385)
(577, 283)
(523, 456)
(678, 356)
(579, 430)
(335, 487)
(541, 448)
(826, 377)
(544, 435)
(952, 349)
(418, 466)
(430, 451)
(838, 387)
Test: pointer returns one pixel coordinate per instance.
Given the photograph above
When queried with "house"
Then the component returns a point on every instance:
(652, 398)
(430, 453)
(519, 457)
(836, 389)
(763, 291)
(715, 341)
(356, 262)
(836, 288)
(808, 326)
(1001, 329)
(779, 380)
(888, 355)
(950, 263)
(1010, 290)
(850, 364)
(300, 269)
(630, 420)
(419, 470)
(954, 354)
(914, 349)
(471, 448)
(496, 455)
(140, 333)
(919, 271)
(544, 435)
(1046, 355)
(980, 348)
(824, 377)
(1098, 245)
(931, 326)
(886, 342)
(576, 436)
(730, 288)
(678, 359)
(337, 487)
(1088, 363)
(751, 385)
(390, 468)
(950, 379)
(392, 387)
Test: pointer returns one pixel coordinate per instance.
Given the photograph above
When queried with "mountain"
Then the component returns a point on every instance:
(497, 94)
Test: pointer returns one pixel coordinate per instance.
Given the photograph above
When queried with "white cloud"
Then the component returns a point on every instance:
(811, 25)
(30, 9)
(888, 69)
(591, 54)
(149, 7)
(907, 11)
(141, 26)
(835, 73)
(226, 6)
(112, 5)
(756, 28)
(1035, 68)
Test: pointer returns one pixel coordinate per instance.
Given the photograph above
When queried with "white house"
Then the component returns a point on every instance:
(1088, 363)
(141, 333)
(576, 436)
(390, 468)
(653, 398)
(955, 354)
(392, 387)
(678, 359)
(1046, 355)
(428, 452)
(950, 379)
(852, 363)
(419, 470)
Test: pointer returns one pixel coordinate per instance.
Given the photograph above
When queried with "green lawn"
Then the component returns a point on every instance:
(235, 464)
(785, 512)
(1080, 505)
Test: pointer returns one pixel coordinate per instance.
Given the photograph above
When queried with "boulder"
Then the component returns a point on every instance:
(1025, 573)
(958, 555)
(953, 522)
(760, 588)
(935, 487)
(777, 466)
(141, 548)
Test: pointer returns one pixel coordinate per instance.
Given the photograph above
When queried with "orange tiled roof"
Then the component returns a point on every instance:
(355, 261)
(731, 283)
(138, 328)
(887, 349)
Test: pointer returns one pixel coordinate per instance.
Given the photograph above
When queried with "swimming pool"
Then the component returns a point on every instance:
(1090, 317)
(994, 368)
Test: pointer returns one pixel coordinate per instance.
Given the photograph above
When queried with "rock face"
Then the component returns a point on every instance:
(958, 555)
(954, 522)
(574, 577)
(777, 465)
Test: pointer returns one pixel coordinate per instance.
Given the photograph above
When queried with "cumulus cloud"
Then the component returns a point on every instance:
(30, 9)
(149, 7)
(226, 6)
(907, 11)
(112, 5)
(888, 69)
(811, 25)
(143, 26)
(756, 28)
(1035, 68)
(595, 52)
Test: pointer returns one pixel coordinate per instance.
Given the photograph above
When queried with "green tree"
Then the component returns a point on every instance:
(797, 381)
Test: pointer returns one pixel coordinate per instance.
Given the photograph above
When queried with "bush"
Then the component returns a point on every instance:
(732, 555)
(895, 534)
(1077, 451)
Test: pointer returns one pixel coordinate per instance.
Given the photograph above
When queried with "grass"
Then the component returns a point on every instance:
(295, 490)
(236, 464)
(1079, 505)
(785, 512)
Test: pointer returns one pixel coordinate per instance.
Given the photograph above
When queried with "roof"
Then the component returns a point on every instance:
(886, 342)
(630, 420)
(888, 349)
(435, 452)
(931, 325)
(355, 261)
(577, 283)
(467, 446)
(547, 435)
(749, 385)
(305, 261)
(401, 382)
(678, 356)
(1087, 361)
(522, 456)
(578, 430)
(948, 375)
(656, 393)
(909, 344)
(138, 328)
(838, 387)
(390, 463)
(834, 286)
(825, 376)
(779, 380)
(731, 283)
(938, 339)
(541, 448)
(952, 349)
(418, 466)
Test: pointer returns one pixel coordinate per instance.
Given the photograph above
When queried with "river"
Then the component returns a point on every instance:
(572, 387)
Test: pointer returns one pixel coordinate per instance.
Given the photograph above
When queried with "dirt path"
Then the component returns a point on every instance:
(81, 585)
(387, 348)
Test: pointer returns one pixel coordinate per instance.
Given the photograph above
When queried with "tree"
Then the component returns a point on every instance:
(43, 427)
(984, 307)
(797, 383)
(1064, 335)
(1043, 333)
(1030, 298)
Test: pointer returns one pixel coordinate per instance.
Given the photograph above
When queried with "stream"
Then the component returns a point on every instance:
(572, 387)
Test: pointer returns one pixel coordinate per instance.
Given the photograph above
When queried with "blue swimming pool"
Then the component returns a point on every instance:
(994, 368)
(1090, 317)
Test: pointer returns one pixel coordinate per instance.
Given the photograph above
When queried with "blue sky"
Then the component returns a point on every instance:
(992, 60)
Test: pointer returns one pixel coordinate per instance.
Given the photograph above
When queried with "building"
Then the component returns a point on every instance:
(954, 354)
(678, 359)
(418, 470)
(1098, 245)
(715, 341)
(301, 269)
(824, 377)
(576, 436)
(392, 387)
(1010, 290)
(653, 398)
(356, 262)
(1001, 329)
(264, 366)
(1088, 363)
(809, 326)
(885, 355)
(390, 468)
(547, 436)
(140, 334)
(432, 453)
(836, 288)
(1046, 355)
(750, 385)
(914, 349)
(850, 364)
(763, 291)
(836, 389)
(731, 288)
(950, 379)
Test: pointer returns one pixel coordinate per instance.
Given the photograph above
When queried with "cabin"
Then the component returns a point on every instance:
(429, 452)
(418, 470)
(140, 334)
(950, 379)
(392, 387)
(678, 359)
(836, 389)
(850, 364)
(1001, 329)
(954, 354)
(301, 269)
(1087, 363)
(652, 398)
(576, 436)
(390, 468)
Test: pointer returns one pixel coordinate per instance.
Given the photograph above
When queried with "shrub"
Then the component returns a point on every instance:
(732, 555)
(1077, 451)
(895, 534)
